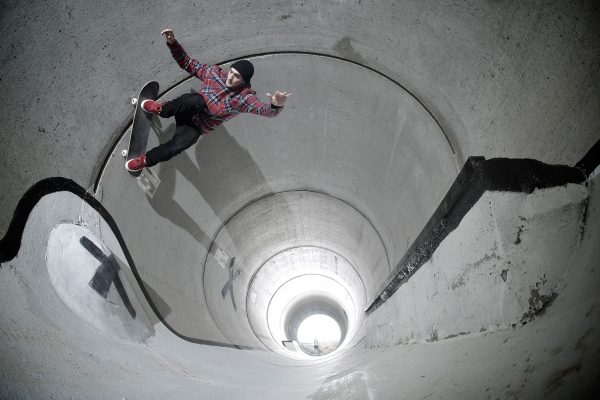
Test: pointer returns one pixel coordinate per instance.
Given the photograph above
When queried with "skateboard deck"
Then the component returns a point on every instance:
(141, 123)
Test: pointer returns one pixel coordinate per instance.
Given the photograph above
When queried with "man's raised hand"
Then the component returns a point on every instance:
(278, 98)
(169, 35)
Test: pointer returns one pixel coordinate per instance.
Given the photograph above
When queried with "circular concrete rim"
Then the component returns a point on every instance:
(314, 195)
(295, 302)
(254, 55)
(360, 291)
(258, 199)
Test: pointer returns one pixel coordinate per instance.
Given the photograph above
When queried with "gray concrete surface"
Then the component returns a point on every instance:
(49, 350)
(498, 269)
(503, 79)
(389, 100)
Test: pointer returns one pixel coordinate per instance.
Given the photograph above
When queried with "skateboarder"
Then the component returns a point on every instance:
(222, 96)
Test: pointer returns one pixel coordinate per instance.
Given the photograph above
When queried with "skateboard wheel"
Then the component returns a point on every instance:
(134, 101)
(124, 153)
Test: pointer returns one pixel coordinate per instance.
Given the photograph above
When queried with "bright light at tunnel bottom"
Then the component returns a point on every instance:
(319, 334)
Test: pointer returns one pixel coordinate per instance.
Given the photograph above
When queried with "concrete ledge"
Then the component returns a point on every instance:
(502, 267)
(477, 176)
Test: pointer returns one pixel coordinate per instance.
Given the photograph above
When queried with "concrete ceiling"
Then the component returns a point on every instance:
(501, 78)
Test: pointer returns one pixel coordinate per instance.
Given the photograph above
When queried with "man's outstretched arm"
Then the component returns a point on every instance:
(191, 65)
(253, 105)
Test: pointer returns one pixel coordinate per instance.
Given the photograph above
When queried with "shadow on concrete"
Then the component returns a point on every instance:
(161, 305)
(221, 176)
(163, 202)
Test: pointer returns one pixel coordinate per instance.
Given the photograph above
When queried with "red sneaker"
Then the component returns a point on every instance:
(136, 164)
(151, 106)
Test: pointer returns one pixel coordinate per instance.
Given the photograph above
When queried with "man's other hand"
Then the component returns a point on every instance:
(169, 35)
(278, 98)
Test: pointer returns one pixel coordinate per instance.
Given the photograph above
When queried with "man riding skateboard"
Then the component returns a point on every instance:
(222, 96)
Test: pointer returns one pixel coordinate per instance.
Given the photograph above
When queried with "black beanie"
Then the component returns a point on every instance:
(245, 68)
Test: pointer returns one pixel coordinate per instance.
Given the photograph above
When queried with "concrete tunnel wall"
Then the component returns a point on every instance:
(256, 189)
(502, 79)
(510, 80)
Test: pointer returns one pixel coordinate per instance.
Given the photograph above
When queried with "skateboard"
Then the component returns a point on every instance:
(141, 124)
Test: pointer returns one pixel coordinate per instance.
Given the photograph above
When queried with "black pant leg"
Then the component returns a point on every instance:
(187, 103)
(186, 133)
(185, 136)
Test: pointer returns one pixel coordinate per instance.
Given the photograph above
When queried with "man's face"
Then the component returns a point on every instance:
(234, 78)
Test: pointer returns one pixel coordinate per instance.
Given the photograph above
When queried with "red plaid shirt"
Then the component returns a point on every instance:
(222, 103)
